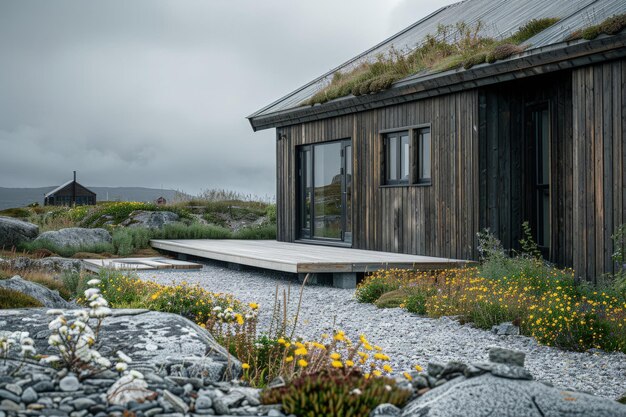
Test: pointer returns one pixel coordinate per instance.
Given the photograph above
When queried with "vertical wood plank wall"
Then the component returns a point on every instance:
(505, 155)
(436, 220)
(599, 159)
(477, 169)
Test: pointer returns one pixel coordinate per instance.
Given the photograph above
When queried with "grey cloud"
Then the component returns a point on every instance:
(154, 93)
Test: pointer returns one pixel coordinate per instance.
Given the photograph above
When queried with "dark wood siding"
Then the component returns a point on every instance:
(438, 220)
(504, 152)
(599, 157)
(468, 192)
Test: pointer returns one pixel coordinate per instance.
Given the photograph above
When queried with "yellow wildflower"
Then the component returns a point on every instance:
(245, 366)
(335, 356)
(337, 364)
(303, 363)
(288, 358)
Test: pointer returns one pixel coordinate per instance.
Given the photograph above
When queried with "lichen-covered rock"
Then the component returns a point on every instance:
(47, 297)
(14, 231)
(150, 219)
(489, 395)
(150, 338)
(50, 264)
(76, 237)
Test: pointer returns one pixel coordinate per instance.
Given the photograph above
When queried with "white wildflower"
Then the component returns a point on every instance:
(121, 366)
(356, 391)
(50, 359)
(103, 362)
(93, 282)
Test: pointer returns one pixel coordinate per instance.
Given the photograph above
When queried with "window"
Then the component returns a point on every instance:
(407, 157)
(397, 156)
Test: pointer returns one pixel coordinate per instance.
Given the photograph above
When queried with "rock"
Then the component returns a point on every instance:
(252, 395)
(43, 386)
(510, 371)
(14, 231)
(76, 237)
(128, 389)
(14, 388)
(452, 369)
(50, 264)
(7, 395)
(150, 219)
(506, 356)
(506, 329)
(472, 371)
(487, 395)
(83, 403)
(8, 405)
(275, 413)
(47, 297)
(69, 383)
(29, 395)
(175, 401)
(203, 403)
(434, 369)
(276, 383)
(232, 400)
(385, 410)
(134, 332)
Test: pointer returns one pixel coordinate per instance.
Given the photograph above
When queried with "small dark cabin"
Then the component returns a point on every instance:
(70, 194)
(420, 164)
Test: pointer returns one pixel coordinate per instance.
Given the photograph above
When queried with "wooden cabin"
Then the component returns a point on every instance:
(423, 165)
(70, 194)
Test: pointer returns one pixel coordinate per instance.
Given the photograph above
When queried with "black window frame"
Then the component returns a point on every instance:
(414, 134)
(398, 135)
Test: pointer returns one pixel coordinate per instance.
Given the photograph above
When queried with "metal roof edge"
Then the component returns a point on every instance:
(356, 58)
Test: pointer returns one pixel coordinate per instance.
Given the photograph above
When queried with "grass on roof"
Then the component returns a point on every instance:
(452, 46)
(610, 26)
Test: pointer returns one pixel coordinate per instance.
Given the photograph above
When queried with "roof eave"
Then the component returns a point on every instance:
(533, 62)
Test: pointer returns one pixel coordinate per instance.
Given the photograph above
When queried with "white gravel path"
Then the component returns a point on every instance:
(406, 337)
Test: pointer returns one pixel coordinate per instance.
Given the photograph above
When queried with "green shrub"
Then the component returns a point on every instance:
(65, 251)
(377, 284)
(270, 212)
(75, 282)
(591, 32)
(262, 232)
(614, 24)
(333, 394)
(392, 299)
(15, 299)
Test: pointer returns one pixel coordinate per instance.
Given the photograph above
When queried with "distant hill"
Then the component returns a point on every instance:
(19, 197)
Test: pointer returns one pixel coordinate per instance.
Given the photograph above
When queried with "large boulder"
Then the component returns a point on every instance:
(50, 264)
(76, 237)
(14, 231)
(152, 339)
(150, 219)
(489, 395)
(501, 387)
(47, 297)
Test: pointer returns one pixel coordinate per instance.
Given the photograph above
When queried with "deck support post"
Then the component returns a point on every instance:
(346, 280)
(234, 266)
(182, 256)
(311, 281)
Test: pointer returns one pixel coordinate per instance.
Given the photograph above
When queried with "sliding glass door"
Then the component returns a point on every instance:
(325, 191)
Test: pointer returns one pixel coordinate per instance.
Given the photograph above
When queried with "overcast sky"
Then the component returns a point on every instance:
(155, 93)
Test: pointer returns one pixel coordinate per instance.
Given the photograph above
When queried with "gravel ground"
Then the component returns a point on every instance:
(409, 339)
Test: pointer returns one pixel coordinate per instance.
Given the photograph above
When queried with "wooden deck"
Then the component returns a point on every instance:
(299, 258)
